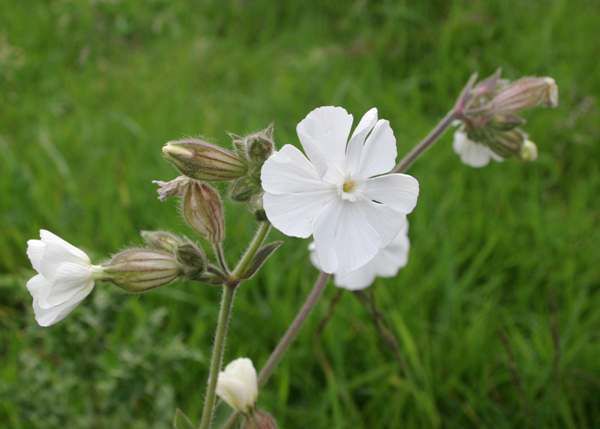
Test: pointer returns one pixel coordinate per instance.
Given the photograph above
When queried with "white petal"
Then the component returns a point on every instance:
(237, 384)
(471, 153)
(324, 133)
(387, 223)
(386, 263)
(391, 258)
(294, 214)
(379, 153)
(288, 171)
(38, 286)
(50, 316)
(70, 279)
(56, 252)
(357, 141)
(49, 237)
(356, 280)
(397, 191)
(344, 239)
(35, 252)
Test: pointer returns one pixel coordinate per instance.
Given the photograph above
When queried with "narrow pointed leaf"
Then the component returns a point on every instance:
(182, 421)
(260, 258)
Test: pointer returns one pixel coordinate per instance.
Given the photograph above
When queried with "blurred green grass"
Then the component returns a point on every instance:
(497, 312)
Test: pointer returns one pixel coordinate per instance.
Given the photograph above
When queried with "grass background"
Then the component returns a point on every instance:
(497, 312)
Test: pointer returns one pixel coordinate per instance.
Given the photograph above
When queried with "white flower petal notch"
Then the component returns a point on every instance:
(342, 192)
(238, 386)
(65, 277)
(386, 263)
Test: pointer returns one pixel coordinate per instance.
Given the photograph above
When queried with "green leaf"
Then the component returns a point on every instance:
(182, 421)
(260, 258)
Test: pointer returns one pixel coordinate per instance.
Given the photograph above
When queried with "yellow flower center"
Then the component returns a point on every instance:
(349, 186)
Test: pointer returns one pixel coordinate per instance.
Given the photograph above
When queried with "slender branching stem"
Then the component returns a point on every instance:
(220, 254)
(217, 355)
(287, 339)
(227, 297)
(433, 136)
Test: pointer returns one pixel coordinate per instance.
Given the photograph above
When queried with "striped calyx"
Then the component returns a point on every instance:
(200, 160)
(139, 269)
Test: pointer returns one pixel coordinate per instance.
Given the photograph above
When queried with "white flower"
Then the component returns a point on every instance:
(237, 385)
(472, 153)
(340, 195)
(386, 263)
(65, 277)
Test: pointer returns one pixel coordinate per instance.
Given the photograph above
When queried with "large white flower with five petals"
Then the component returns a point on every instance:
(340, 194)
(65, 277)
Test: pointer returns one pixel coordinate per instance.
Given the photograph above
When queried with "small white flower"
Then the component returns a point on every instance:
(238, 386)
(386, 263)
(65, 277)
(340, 195)
(472, 153)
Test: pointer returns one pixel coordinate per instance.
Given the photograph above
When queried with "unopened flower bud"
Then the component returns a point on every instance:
(139, 270)
(237, 385)
(200, 160)
(259, 420)
(525, 93)
(506, 143)
(162, 240)
(203, 211)
(256, 147)
(243, 189)
(529, 151)
(192, 258)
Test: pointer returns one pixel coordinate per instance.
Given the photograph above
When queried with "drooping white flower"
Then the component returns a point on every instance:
(65, 277)
(238, 386)
(472, 153)
(340, 194)
(386, 263)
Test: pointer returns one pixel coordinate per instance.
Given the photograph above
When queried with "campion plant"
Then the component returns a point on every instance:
(345, 190)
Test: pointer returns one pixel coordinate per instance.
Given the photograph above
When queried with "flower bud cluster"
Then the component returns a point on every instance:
(491, 117)
(204, 161)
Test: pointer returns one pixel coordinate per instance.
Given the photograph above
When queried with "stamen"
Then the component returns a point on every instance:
(349, 186)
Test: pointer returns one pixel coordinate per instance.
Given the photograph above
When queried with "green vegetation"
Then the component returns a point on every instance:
(497, 312)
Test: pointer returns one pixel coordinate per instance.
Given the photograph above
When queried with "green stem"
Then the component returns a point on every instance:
(223, 320)
(217, 354)
(248, 256)
(287, 339)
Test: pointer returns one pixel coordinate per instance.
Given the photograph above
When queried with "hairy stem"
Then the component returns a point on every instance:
(216, 359)
(220, 254)
(217, 355)
(248, 256)
(438, 130)
(289, 336)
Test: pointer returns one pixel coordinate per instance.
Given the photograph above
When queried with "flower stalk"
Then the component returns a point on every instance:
(217, 354)
(227, 298)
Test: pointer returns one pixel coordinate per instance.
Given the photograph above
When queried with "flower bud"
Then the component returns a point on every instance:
(237, 385)
(259, 420)
(139, 270)
(162, 240)
(529, 151)
(203, 211)
(256, 147)
(192, 258)
(243, 189)
(200, 160)
(525, 93)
